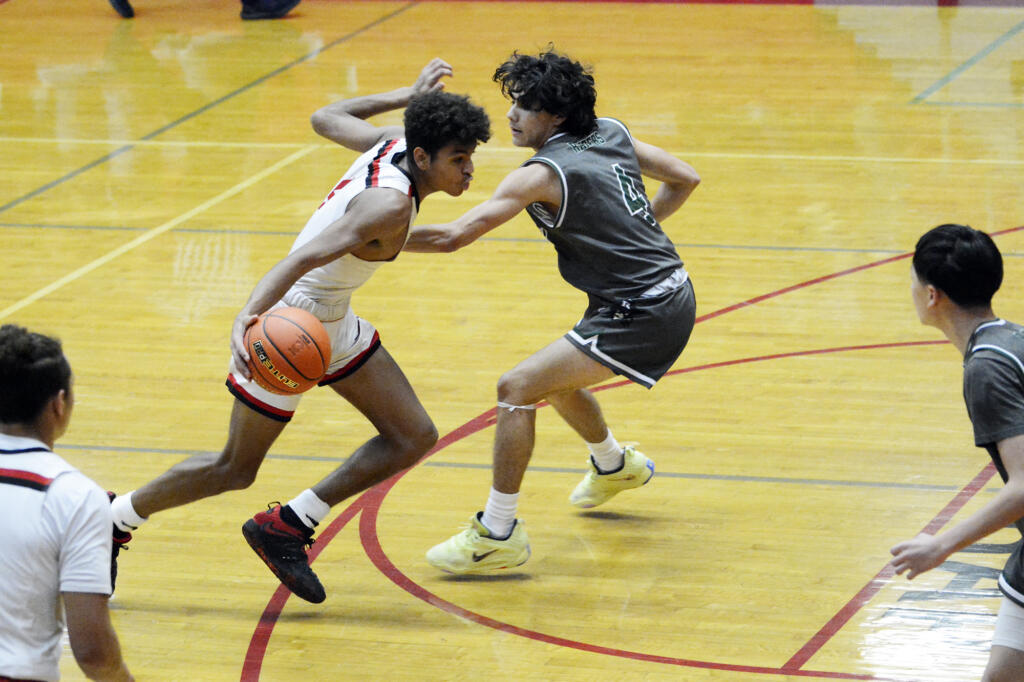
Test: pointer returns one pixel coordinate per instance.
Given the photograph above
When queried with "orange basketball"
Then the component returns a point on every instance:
(289, 350)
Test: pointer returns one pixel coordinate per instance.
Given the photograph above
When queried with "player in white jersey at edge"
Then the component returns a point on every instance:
(363, 223)
(54, 525)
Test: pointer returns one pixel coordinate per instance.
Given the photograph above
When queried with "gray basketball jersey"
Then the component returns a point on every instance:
(994, 393)
(608, 241)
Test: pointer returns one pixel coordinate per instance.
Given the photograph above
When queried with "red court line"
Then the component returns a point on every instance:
(775, 356)
(818, 280)
(371, 543)
(823, 3)
(261, 635)
(369, 504)
(868, 592)
(372, 499)
(802, 285)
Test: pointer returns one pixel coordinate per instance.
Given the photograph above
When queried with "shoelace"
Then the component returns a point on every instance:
(307, 541)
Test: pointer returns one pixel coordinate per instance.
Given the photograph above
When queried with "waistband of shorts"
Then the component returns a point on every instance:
(678, 278)
(322, 311)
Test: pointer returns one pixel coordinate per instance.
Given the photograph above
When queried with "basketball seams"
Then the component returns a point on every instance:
(287, 358)
(270, 340)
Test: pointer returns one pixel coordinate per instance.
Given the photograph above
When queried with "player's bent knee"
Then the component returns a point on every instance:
(420, 441)
(514, 389)
(229, 476)
(410, 443)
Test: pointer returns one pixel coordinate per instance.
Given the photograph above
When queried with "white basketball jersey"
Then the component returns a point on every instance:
(329, 287)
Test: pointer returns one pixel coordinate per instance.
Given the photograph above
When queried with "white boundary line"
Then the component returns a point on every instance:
(155, 232)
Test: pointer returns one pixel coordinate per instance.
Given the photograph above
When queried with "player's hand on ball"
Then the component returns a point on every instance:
(238, 350)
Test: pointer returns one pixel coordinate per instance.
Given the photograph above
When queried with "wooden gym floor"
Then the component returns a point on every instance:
(151, 170)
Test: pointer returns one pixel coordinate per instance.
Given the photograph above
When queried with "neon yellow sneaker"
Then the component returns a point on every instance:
(475, 551)
(597, 488)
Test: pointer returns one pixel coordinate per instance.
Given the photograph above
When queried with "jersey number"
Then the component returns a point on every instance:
(636, 200)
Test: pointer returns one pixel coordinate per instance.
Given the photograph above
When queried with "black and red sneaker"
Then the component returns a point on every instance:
(282, 547)
(121, 540)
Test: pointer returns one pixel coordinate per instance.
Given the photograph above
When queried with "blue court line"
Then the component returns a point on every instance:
(206, 107)
(531, 240)
(551, 470)
(993, 105)
(955, 73)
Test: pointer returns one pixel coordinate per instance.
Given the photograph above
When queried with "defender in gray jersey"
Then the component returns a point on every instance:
(584, 190)
(955, 273)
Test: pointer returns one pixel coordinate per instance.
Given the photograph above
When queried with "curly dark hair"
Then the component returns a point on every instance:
(964, 263)
(33, 370)
(436, 119)
(553, 83)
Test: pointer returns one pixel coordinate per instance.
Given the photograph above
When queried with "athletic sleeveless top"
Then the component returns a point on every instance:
(326, 291)
(609, 244)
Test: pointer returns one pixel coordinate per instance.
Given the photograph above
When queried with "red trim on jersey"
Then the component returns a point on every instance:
(256, 403)
(25, 478)
(373, 177)
(355, 364)
(331, 194)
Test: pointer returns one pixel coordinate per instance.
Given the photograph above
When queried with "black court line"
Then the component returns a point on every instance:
(553, 470)
(206, 107)
(976, 58)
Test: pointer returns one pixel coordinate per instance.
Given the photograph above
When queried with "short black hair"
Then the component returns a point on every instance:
(436, 119)
(554, 83)
(33, 370)
(964, 263)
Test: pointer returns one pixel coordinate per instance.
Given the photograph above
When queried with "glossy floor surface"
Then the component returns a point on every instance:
(152, 170)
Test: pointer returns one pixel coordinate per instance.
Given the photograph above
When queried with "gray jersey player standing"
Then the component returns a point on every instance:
(955, 273)
(584, 190)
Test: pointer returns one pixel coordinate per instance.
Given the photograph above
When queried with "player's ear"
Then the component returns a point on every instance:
(421, 158)
(60, 407)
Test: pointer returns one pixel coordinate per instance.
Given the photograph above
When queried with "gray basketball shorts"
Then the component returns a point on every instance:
(638, 338)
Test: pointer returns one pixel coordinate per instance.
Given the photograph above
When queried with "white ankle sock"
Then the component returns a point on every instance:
(500, 513)
(607, 454)
(310, 509)
(125, 516)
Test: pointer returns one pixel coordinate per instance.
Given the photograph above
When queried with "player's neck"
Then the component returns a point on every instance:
(961, 324)
(28, 431)
(418, 180)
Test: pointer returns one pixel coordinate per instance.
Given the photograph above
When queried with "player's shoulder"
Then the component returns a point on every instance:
(1000, 341)
(612, 123)
(382, 204)
(987, 362)
(72, 484)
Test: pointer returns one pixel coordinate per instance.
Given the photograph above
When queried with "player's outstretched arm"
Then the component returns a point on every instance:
(519, 189)
(344, 121)
(375, 213)
(925, 552)
(93, 640)
(678, 178)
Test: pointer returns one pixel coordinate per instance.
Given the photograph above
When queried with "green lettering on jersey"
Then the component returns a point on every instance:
(636, 200)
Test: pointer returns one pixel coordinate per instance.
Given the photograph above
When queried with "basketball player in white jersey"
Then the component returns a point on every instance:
(55, 578)
(361, 224)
